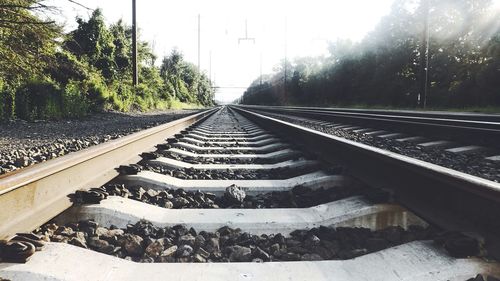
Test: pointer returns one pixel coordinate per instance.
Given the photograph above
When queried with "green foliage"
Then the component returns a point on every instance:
(3, 101)
(92, 41)
(122, 41)
(27, 42)
(184, 81)
(90, 70)
(67, 67)
(74, 102)
(384, 69)
(96, 91)
(38, 99)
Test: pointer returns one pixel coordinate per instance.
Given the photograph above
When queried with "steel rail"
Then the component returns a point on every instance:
(466, 116)
(485, 131)
(440, 195)
(34, 195)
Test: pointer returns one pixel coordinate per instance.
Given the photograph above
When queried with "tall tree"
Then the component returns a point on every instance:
(27, 39)
(93, 42)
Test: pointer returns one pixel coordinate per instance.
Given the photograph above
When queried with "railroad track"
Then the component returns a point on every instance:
(482, 129)
(235, 195)
(463, 142)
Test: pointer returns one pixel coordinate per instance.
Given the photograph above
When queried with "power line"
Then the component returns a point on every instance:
(81, 5)
(229, 87)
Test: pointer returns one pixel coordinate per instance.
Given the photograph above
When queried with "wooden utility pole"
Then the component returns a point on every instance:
(210, 66)
(286, 56)
(199, 43)
(424, 56)
(135, 75)
(199, 50)
(260, 68)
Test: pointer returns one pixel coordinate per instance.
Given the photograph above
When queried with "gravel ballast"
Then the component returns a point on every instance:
(229, 174)
(24, 143)
(469, 163)
(234, 197)
(218, 160)
(144, 242)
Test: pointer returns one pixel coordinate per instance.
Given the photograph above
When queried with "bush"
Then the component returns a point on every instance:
(38, 100)
(75, 104)
(123, 97)
(145, 97)
(3, 101)
(97, 92)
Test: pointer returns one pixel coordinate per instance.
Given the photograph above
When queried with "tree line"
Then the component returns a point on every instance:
(387, 67)
(47, 73)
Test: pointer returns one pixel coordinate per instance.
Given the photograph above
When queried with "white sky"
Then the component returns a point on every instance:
(310, 24)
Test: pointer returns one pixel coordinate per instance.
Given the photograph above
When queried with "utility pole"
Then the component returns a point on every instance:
(210, 66)
(285, 68)
(246, 38)
(199, 41)
(261, 68)
(199, 48)
(424, 56)
(135, 75)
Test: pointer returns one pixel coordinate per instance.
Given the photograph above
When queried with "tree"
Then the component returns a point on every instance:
(27, 41)
(185, 81)
(93, 42)
(122, 38)
(383, 68)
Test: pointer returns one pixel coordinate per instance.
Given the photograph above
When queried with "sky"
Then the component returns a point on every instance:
(279, 27)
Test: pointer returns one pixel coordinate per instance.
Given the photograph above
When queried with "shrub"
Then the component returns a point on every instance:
(38, 100)
(75, 104)
(97, 91)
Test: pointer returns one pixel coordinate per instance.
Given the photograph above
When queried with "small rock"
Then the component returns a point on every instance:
(199, 241)
(311, 257)
(261, 254)
(184, 251)
(22, 161)
(132, 244)
(132, 169)
(202, 252)
(154, 249)
(199, 258)
(168, 204)
(78, 242)
(65, 231)
(169, 251)
(239, 253)
(179, 202)
(235, 194)
(102, 231)
(152, 193)
(274, 247)
(99, 245)
(290, 257)
(312, 241)
(212, 245)
(187, 239)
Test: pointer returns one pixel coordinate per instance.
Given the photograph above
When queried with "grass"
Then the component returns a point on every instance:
(176, 104)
